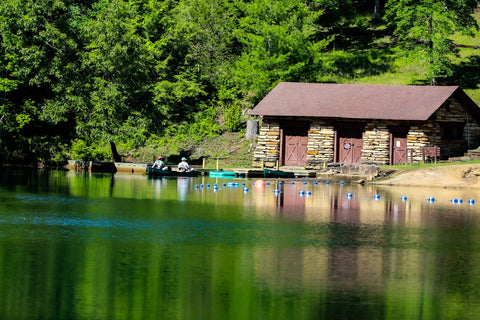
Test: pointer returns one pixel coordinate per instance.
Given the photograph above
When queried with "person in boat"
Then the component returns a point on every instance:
(183, 166)
(159, 164)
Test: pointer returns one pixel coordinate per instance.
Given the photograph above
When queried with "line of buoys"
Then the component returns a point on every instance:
(309, 193)
(460, 201)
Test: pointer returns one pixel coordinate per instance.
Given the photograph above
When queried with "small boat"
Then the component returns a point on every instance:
(221, 174)
(153, 172)
(267, 173)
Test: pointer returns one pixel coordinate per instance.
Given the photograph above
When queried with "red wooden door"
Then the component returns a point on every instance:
(295, 150)
(399, 150)
(350, 150)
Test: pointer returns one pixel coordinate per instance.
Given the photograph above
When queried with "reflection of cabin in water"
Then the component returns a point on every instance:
(311, 124)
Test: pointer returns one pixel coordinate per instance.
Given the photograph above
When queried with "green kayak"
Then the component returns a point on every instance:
(267, 173)
(221, 174)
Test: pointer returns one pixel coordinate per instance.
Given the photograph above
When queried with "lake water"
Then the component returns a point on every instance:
(98, 246)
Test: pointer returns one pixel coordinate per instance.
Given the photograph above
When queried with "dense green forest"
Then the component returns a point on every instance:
(96, 78)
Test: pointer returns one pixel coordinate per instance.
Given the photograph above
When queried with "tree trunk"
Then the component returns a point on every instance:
(378, 9)
(115, 155)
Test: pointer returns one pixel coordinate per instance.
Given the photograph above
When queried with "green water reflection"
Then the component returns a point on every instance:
(94, 246)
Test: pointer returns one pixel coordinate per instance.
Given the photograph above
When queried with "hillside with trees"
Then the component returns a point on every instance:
(107, 79)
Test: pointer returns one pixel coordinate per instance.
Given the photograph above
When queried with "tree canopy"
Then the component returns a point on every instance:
(78, 75)
(425, 27)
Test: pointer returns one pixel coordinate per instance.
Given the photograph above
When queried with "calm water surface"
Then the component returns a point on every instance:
(97, 246)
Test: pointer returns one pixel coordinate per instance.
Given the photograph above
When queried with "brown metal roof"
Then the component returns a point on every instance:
(356, 101)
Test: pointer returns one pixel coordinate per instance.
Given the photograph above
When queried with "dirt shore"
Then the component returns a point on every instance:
(455, 176)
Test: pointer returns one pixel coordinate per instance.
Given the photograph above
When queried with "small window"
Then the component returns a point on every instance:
(452, 131)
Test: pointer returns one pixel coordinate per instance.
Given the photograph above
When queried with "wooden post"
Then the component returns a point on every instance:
(252, 129)
(203, 163)
(217, 164)
(263, 165)
(276, 165)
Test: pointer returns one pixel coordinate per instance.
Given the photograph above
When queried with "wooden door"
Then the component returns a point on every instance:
(350, 149)
(295, 150)
(399, 150)
(398, 144)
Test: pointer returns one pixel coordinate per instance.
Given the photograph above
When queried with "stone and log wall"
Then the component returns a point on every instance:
(267, 150)
(321, 139)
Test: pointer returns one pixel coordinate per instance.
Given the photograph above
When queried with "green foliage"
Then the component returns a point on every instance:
(278, 45)
(185, 136)
(80, 150)
(233, 117)
(335, 12)
(166, 76)
(424, 29)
